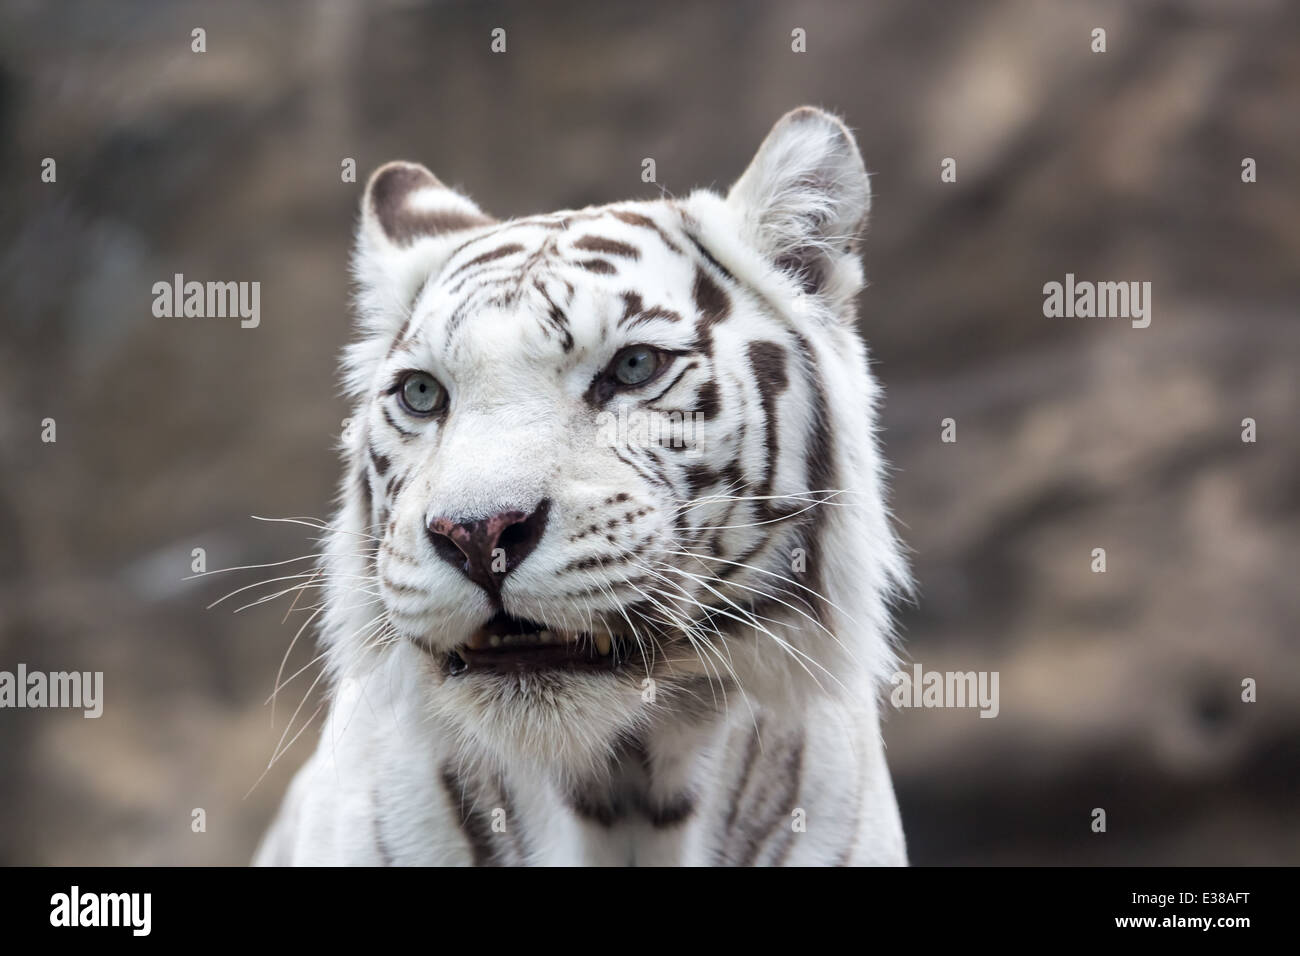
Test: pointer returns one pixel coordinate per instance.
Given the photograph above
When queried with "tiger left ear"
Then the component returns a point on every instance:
(803, 202)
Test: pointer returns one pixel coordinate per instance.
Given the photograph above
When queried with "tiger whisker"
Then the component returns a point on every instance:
(376, 623)
(306, 585)
(251, 567)
(274, 758)
(623, 613)
(829, 495)
(700, 646)
(781, 577)
(757, 524)
(285, 659)
(802, 613)
(307, 577)
(307, 521)
(795, 653)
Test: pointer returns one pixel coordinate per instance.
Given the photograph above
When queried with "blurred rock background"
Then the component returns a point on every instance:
(1118, 690)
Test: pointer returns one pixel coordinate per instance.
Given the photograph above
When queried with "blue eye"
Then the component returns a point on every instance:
(422, 394)
(636, 365)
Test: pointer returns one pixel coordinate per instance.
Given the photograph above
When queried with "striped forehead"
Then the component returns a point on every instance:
(542, 268)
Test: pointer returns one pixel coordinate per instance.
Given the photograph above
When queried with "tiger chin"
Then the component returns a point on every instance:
(552, 642)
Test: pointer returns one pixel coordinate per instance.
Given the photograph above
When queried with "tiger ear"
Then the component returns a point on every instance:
(410, 222)
(804, 199)
(405, 203)
(408, 219)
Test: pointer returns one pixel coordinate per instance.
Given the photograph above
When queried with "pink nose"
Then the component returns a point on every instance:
(487, 549)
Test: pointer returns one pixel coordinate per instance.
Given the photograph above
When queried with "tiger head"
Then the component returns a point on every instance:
(615, 465)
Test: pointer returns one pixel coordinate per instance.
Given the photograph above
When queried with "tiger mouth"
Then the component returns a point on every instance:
(511, 644)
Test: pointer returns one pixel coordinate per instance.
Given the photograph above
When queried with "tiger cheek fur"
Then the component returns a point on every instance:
(553, 639)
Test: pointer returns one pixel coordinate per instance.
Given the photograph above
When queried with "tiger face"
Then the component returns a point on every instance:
(615, 465)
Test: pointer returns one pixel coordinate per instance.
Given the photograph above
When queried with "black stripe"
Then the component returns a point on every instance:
(699, 247)
(472, 824)
(509, 249)
(758, 812)
(485, 277)
(397, 428)
(649, 476)
(671, 812)
(742, 781)
(609, 247)
(556, 316)
(712, 305)
(401, 588)
(654, 313)
(781, 807)
(625, 789)
(689, 367)
(645, 222)
(767, 361)
(401, 557)
(367, 495)
(707, 401)
(822, 474)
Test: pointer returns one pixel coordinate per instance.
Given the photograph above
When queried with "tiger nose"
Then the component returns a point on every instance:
(487, 549)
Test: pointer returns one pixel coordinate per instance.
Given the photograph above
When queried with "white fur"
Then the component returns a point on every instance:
(520, 431)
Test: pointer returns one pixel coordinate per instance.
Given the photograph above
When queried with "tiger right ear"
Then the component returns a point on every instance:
(804, 199)
(410, 223)
(405, 203)
(407, 215)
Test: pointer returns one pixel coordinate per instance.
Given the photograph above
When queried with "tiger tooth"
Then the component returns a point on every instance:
(547, 637)
(603, 643)
(495, 640)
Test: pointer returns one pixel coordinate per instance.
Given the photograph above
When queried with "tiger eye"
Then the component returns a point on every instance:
(635, 364)
(421, 393)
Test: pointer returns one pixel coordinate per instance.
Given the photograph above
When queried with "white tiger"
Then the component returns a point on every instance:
(547, 645)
